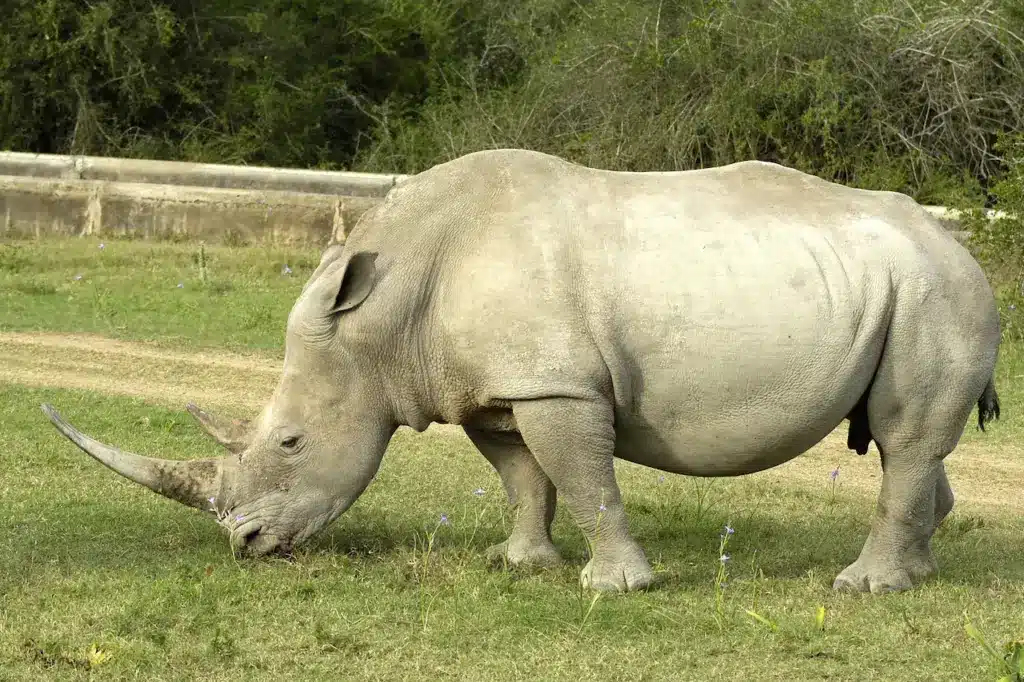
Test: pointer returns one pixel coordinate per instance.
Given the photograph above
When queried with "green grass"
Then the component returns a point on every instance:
(87, 558)
(129, 290)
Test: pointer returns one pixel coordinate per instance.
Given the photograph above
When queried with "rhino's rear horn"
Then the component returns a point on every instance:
(191, 482)
(233, 434)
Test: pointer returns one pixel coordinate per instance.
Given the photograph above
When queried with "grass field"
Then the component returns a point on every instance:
(100, 579)
(135, 290)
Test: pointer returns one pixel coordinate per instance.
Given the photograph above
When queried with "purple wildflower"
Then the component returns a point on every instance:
(239, 518)
(661, 479)
(102, 246)
(479, 492)
(1013, 306)
(835, 474)
(286, 270)
(724, 558)
(78, 277)
(729, 529)
(602, 507)
(444, 520)
(181, 285)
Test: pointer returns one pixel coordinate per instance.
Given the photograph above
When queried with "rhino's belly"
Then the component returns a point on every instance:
(747, 422)
(746, 358)
(680, 451)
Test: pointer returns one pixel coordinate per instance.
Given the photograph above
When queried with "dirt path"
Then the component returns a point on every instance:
(139, 370)
(983, 477)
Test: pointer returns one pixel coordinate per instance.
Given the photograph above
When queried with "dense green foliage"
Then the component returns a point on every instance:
(911, 95)
(999, 244)
(272, 81)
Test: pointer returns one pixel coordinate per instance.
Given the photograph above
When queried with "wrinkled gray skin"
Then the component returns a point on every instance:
(709, 323)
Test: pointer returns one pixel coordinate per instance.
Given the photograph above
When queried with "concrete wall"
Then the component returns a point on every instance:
(196, 174)
(165, 200)
(37, 207)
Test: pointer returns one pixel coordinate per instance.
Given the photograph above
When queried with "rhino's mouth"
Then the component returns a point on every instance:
(256, 542)
(248, 538)
(256, 537)
(252, 535)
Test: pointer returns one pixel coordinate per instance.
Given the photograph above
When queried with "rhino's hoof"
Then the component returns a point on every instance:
(878, 576)
(617, 576)
(540, 554)
(857, 579)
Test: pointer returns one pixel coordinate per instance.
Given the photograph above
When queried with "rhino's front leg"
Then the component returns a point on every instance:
(529, 490)
(574, 441)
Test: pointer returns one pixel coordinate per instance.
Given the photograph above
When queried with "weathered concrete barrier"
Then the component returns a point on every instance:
(950, 219)
(196, 174)
(47, 206)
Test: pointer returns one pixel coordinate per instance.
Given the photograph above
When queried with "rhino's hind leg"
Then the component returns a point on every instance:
(574, 441)
(917, 409)
(530, 491)
(897, 553)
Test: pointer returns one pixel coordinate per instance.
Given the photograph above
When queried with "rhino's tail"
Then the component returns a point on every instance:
(988, 404)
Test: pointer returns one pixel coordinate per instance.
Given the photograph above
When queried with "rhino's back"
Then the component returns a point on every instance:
(486, 194)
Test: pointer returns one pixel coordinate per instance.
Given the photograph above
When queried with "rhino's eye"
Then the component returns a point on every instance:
(290, 442)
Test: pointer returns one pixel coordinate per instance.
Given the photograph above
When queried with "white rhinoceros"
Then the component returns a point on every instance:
(709, 323)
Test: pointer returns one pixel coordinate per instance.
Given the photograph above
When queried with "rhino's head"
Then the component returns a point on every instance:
(317, 443)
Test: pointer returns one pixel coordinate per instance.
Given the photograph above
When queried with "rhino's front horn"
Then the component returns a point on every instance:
(233, 434)
(191, 482)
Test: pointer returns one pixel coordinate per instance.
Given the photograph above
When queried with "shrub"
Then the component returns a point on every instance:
(998, 244)
(907, 95)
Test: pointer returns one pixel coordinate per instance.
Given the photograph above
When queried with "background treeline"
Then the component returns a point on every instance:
(920, 96)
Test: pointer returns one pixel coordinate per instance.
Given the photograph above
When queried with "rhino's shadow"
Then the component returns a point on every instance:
(767, 546)
(158, 537)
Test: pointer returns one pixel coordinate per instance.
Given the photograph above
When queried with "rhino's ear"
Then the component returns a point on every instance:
(347, 285)
(330, 254)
